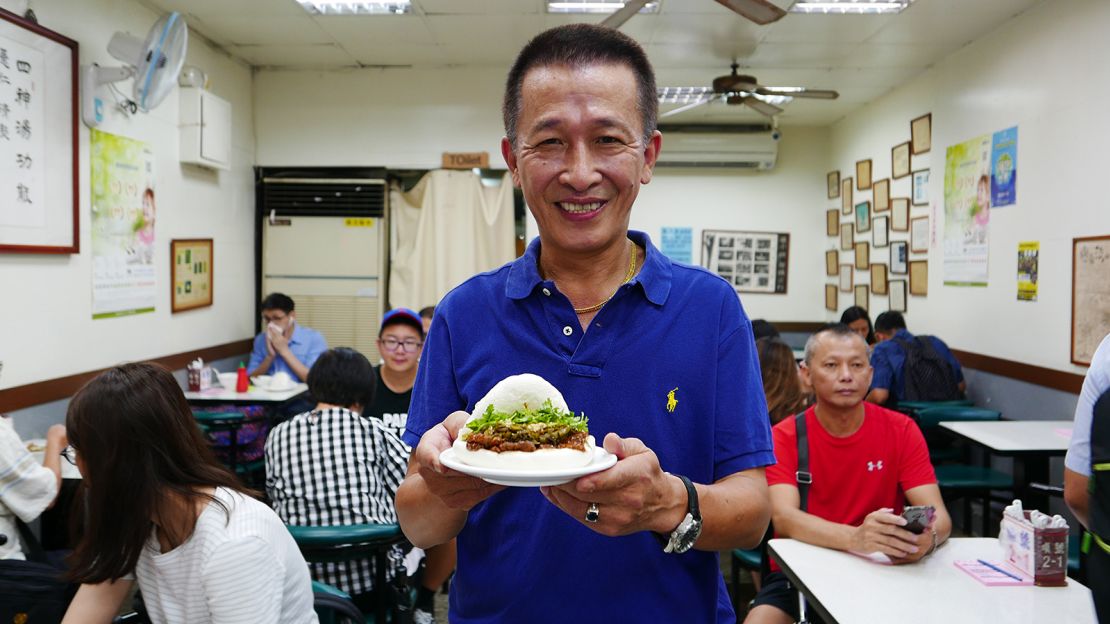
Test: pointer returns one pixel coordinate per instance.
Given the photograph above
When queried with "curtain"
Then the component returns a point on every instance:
(446, 229)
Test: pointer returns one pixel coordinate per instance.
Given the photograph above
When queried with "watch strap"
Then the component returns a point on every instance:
(691, 498)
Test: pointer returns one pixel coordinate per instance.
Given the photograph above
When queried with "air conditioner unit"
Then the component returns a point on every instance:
(753, 146)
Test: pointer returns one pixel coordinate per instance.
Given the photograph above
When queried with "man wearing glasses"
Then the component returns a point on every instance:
(284, 345)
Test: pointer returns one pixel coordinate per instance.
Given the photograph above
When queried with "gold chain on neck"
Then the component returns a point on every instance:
(627, 278)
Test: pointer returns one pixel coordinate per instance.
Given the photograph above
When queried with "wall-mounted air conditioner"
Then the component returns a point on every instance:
(750, 146)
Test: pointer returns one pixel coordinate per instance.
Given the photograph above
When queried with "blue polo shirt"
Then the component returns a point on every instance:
(672, 328)
(888, 359)
(305, 343)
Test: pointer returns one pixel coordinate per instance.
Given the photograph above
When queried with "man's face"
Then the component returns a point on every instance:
(426, 321)
(400, 346)
(281, 319)
(839, 370)
(580, 157)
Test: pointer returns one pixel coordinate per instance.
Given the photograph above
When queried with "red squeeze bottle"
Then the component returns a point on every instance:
(242, 383)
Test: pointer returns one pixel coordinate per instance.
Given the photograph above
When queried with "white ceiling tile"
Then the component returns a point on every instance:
(911, 56)
(212, 8)
(698, 57)
(323, 55)
(479, 31)
(410, 29)
(639, 27)
(370, 53)
(799, 54)
(806, 28)
(951, 22)
(481, 7)
(262, 30)
(706, 29)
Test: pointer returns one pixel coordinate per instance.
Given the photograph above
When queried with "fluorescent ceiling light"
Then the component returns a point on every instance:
(333, 7)
(850, 6)
(687, 95)
(595, 6)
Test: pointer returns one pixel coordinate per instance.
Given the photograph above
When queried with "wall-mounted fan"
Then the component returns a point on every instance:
(738, 89)
(761, 12)
(154, 63)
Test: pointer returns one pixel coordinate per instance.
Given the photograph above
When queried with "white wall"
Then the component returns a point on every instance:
(46, 326)
(406, 118)
(1043, 72)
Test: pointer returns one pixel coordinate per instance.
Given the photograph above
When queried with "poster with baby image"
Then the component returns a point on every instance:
(967, 202)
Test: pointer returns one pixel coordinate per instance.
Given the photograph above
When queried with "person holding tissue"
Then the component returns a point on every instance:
(284, 345)
(864, 463)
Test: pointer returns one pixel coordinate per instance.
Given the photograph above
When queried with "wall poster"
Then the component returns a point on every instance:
(1004, 167)
(123, 210)
(1090, 296)
(677, 243)
(750, 261)
(1027, 261)
(190, 274)
(967, 194)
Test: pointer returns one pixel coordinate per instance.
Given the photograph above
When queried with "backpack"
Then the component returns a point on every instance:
(1098, 486)
(33, 591)
(928, 376)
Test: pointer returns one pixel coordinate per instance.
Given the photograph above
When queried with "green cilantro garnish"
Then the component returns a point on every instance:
(547, 415)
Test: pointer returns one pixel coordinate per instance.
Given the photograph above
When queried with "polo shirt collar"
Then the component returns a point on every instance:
(654, 277)
(293, 335)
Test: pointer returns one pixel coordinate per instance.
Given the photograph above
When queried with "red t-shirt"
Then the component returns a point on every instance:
(855, 475)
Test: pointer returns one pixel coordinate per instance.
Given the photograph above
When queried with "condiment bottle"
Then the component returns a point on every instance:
(242, 383)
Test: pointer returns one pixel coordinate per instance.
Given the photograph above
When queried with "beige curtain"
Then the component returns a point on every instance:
(446, 229)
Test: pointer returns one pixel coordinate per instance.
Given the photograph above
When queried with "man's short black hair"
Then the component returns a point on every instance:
(278, 301)
(579, 45)
(342, 376)
(763, 329)
(427, 312)
(890, 322)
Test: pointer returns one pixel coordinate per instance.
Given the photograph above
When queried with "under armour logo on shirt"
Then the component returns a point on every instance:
(873, 466)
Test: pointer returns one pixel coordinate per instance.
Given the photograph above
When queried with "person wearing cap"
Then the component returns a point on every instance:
(400, 341)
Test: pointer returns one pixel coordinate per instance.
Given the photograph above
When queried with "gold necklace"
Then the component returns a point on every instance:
(627, 278)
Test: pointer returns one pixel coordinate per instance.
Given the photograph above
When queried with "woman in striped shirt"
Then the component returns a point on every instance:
(161, 511)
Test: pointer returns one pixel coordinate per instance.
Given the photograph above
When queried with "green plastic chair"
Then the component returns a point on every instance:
(323, 544)
(334, 606)
(969, 482)
(933, 416)
(912, 407)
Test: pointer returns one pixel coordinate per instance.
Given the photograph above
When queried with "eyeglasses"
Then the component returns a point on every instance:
(391, 344)
(70, 455)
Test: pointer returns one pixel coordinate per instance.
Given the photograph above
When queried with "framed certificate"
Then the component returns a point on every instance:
(862, 296)
(846, 196)
(832, 261)
(919, 234)
(831, 296)
(919, 278)
(900, 214)
(897, 295)
(880, 234)
(832, 180)
(863, 256)
(921, 134)
(878, 279)
(190, 274)
(921, 187)
(863, 216)
(832, 222)
(846, 278)
(846, 236)
(900, 160)
(899, 257)
(863, 174)
(881, 191)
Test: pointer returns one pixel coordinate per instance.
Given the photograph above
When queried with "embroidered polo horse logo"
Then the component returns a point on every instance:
(672, 402)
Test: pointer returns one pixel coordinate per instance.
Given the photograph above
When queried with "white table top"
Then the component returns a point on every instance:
(253, 394)
(1016, 436)
(69, 471)
(933, 590)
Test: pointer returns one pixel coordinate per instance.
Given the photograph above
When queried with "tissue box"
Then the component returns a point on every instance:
(1038, 553)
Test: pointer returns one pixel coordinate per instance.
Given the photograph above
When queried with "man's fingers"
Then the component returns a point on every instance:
(623, 447)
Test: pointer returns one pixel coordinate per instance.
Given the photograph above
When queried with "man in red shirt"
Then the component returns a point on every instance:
(867, 462)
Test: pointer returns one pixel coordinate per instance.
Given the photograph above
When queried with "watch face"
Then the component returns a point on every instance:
(683, 537)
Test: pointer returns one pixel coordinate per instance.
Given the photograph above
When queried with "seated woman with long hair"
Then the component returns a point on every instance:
(781, 384)
(161, 511)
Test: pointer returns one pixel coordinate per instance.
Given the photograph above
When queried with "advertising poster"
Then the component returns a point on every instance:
(1028, 259)
(677, 243)
(123, 210)
(967, 196)
(1004, 168)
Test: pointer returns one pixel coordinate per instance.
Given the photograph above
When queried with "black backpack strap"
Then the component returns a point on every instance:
(802, 475)
(32, 548)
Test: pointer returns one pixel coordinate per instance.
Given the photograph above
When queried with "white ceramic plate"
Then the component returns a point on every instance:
(532, 478)
(265, 382)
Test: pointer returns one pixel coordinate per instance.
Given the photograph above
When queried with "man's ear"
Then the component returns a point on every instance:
(510, 160)
(651, 156)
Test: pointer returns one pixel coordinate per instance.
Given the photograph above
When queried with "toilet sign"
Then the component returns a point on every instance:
(465, 160)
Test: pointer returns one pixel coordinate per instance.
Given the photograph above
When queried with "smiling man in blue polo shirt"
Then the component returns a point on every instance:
(658, 355)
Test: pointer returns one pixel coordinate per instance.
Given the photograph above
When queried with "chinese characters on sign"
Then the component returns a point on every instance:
(22, 142)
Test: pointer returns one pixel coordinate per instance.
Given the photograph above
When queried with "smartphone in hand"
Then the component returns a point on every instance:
(918, 517)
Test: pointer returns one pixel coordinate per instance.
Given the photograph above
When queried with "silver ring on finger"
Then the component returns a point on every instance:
(593, 512)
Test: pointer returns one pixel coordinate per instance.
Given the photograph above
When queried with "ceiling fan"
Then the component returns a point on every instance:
(759, 11)
(738, 89)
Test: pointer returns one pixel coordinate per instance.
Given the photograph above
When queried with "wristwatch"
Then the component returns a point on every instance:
(687, 532)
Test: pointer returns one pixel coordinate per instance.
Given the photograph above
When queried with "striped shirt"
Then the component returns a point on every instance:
(26, 487)
(235, 568)
(329, 467)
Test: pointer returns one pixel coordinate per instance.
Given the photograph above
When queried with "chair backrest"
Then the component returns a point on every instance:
(930, 417)
(332, 605)
(344, 542)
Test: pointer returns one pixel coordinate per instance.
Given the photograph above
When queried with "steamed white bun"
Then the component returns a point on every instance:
(519, 392)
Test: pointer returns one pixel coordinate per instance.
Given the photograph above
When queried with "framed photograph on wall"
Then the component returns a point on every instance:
(846, 278)
(878, 279)
(862, 296)
(919, 234)
(1090, 276)
(880, 233)
(831, 297)
(881, 191)
(919, 277)
(900, 214)
(846, 196)
(900, 160)
(921, 187)
(832, 180)
(751, 261)
(846, 236)
(832, 222)
(39, 168)
(899, 257)
(863, 256)
(863, 174)
(921, 134)
(832, 260)
(863, 217)
(190, 274)
(897, 295)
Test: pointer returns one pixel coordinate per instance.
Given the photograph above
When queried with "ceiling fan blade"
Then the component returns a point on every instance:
(682, 109)
(799, 92)
(621, 15)
(760, 106)
(761, 12)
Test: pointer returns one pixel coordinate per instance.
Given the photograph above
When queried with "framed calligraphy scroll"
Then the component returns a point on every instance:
(1090, 296)
(38, 139)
